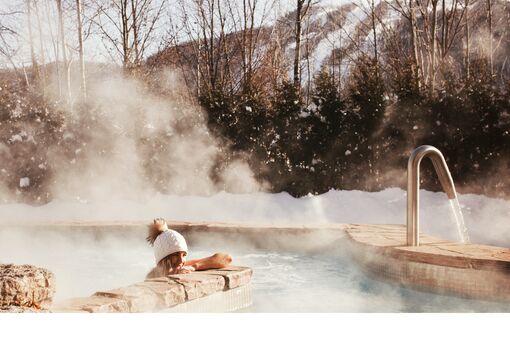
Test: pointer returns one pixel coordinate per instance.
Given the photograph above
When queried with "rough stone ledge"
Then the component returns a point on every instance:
(25, 288)
(161, 293)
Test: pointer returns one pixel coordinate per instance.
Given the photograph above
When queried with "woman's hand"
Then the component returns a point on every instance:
(183, 269)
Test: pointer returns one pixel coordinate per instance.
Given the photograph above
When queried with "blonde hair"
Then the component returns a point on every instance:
(162, 268)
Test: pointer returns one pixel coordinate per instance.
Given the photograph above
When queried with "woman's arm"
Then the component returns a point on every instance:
(216, 261)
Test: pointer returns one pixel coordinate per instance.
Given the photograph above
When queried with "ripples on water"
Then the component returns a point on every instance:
(283, 281)
(330, 282)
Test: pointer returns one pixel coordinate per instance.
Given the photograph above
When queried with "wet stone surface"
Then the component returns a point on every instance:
(436, 265)
(161, 293)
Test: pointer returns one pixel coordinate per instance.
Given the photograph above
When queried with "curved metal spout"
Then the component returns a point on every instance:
(413, 186)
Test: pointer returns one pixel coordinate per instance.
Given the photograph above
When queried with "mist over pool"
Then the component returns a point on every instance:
(284, 279)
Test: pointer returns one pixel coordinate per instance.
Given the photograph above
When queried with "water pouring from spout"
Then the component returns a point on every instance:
(459, 220)
(413, 192)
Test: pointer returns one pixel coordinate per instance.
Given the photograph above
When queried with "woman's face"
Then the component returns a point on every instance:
(177, 260)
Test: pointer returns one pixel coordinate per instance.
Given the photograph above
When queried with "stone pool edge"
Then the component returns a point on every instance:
(163, 293)
(439, 266)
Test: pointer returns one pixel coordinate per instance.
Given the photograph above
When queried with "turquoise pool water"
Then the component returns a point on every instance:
(286, 278)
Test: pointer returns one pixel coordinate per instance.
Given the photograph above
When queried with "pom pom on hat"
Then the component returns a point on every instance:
(169, 242)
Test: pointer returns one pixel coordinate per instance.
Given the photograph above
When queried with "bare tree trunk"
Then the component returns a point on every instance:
(35, 66)
(374, 33)
(199, 50)
(302, 7)
(332, 70)
(308, 69)
(226, 74)
(467, 34)
(203, 50)
(117, 20)
(244, 59)
(206, 26)
(276, 56)
(489, 19)
(212, 72)
(125, 35)
(41, 49)
(297, 50)
(136, 60)
(433, 47)
(54, 44)
(63, 46)
(414, 43)
(83, 85)
(250, 39)
(443, 27)
(27, 83)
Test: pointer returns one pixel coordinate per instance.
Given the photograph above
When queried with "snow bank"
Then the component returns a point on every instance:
(487, 219)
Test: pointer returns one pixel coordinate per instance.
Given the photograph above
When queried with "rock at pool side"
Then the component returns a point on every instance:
(25, 288)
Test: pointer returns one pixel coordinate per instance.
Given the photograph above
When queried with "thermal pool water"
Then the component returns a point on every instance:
(284, 279)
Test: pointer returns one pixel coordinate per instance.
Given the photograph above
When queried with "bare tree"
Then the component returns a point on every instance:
(302, 7)
(127, 28)
(489, 24)
(83, 83)
(35, 66)
(408, 11)
(434, 30)
(60, 14)
(467, 60)
(41, 48)
(250, 32)
(9, 39)
(374, 33)
(417, 69)
(432, 51)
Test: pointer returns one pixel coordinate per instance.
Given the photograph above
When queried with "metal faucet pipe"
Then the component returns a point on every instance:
(413, 186)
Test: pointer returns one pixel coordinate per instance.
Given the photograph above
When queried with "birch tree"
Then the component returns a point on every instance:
(83, 82)
(62, 41)
(35, 66)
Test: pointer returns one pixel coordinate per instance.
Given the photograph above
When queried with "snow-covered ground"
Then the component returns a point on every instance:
(487, 219)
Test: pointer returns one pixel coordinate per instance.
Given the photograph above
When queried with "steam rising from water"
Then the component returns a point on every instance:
(116, 188)
(129, 127)
(84, 264)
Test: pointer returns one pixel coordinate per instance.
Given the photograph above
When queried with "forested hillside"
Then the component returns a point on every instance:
(302, 98)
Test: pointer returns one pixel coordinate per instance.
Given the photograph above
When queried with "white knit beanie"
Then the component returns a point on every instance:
(169, 242)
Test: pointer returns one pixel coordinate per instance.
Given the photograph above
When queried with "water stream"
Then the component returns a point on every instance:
(459, 220)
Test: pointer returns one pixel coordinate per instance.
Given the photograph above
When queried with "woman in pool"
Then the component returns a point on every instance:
(170, 250)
